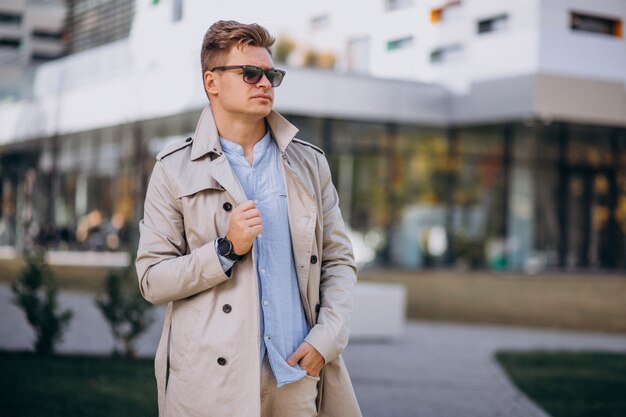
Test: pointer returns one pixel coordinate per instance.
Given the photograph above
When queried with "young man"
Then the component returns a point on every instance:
(243, 238)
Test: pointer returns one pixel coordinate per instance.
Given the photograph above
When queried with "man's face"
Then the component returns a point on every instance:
(229, 91)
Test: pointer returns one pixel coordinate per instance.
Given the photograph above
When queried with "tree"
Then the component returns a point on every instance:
(35, 292)
(127, 313)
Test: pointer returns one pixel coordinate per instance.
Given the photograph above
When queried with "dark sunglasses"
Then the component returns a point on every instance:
(253, 75)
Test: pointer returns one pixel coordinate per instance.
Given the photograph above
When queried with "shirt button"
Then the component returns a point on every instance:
(262, 270)
(221, 361)
(266, 303)
(313, 259)
(227, 206)
(227, 308)
(256, 201)
(268, 338)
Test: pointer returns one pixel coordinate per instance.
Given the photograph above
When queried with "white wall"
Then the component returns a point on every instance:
(580, 54)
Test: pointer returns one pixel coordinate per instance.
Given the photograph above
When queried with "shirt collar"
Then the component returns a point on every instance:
(206, 138)
(232, 148)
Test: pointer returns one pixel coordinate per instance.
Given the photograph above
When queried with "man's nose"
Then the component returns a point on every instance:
(264, 82)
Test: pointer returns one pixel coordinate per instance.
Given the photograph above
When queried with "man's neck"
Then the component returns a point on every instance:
(245, 132)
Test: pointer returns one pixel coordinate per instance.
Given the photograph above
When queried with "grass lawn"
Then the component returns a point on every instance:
(571, 384)
(51, 386)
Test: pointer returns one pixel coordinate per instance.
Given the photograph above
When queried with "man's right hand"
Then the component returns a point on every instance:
(245, 225)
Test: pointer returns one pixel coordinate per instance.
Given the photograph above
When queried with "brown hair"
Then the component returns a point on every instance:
(224, 34)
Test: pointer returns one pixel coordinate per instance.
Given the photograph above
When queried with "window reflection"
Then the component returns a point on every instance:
(521, 195)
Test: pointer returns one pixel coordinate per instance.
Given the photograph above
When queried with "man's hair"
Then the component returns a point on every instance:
(224, 34)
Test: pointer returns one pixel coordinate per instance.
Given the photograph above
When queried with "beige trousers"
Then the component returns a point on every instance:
(292, 400)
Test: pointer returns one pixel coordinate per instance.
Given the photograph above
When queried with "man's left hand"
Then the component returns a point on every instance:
(308, 358)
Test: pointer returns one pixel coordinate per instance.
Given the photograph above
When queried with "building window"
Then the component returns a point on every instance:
(397, 4)
(399, 43)
(320, 22)
(8, 42)
(178, 10)
(493, 24)
(8, 18)
(437, 14)
(39, 58)
(445, 53)
(596, 24)
(45, 35)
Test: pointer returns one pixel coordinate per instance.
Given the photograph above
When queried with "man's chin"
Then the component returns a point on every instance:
(262, 111)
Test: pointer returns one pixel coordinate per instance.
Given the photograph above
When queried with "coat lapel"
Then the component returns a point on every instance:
(302, 213)
(301, 206)
(207, 155)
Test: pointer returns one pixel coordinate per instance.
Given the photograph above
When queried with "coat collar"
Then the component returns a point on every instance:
(206, 138)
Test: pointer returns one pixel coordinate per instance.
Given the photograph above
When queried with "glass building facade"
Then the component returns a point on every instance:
(516, 195)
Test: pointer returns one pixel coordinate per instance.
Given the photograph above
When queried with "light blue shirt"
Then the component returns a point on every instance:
(282, 321)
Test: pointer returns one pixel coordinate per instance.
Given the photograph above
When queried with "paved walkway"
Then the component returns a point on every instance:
(433, 370)
(448, 370)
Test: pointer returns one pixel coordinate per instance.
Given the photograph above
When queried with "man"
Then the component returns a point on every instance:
(243, 238)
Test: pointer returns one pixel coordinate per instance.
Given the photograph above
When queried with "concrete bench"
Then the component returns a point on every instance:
(379, 311)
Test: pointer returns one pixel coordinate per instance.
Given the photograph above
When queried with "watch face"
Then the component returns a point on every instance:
(224, 247)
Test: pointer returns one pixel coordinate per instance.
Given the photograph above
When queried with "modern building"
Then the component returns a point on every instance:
(464, 132)
(31, 32)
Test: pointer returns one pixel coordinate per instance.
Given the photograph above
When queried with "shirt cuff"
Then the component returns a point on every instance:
(226, 263)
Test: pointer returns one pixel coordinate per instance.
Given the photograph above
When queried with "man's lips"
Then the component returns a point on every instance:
(263, 96)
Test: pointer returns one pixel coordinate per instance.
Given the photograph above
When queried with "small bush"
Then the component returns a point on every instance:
(127, 313)
(35, 291)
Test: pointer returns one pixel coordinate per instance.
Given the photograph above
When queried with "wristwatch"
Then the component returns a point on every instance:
(225, 249)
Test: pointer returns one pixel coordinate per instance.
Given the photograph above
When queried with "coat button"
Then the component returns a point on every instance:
(227, 206)
(227, 308)
(221, 361)
(313, 259)
(188, 140)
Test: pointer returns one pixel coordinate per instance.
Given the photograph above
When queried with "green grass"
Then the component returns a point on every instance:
(571, 384)
(51, 386)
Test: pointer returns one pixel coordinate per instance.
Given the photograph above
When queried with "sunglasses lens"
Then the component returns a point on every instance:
(252, 75)
(275, 77)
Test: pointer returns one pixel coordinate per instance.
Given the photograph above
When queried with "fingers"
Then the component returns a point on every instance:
(297, 355)
(250, 213)
(245, 226)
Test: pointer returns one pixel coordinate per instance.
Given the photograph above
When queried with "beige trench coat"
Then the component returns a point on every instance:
(207, 362)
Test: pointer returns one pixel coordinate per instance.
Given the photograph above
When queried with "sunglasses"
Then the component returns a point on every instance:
(253, 75)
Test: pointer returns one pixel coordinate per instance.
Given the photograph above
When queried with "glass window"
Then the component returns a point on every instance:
(400, 43)
(583, 22)
(493, 24)
(589, 145)
(479, 197)
(10, 18)
(320, 22)
(445, 53)
(178, 10)
(397, 4)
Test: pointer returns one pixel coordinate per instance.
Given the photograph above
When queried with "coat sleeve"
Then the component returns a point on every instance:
(338, 275)
(165, 270)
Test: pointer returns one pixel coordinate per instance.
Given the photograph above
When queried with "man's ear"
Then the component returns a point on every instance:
(209, 82)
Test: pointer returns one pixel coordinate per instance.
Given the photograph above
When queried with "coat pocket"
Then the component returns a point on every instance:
(183, 338)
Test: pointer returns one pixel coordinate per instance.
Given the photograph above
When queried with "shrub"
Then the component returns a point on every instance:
(127, 313)
(35, 291)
